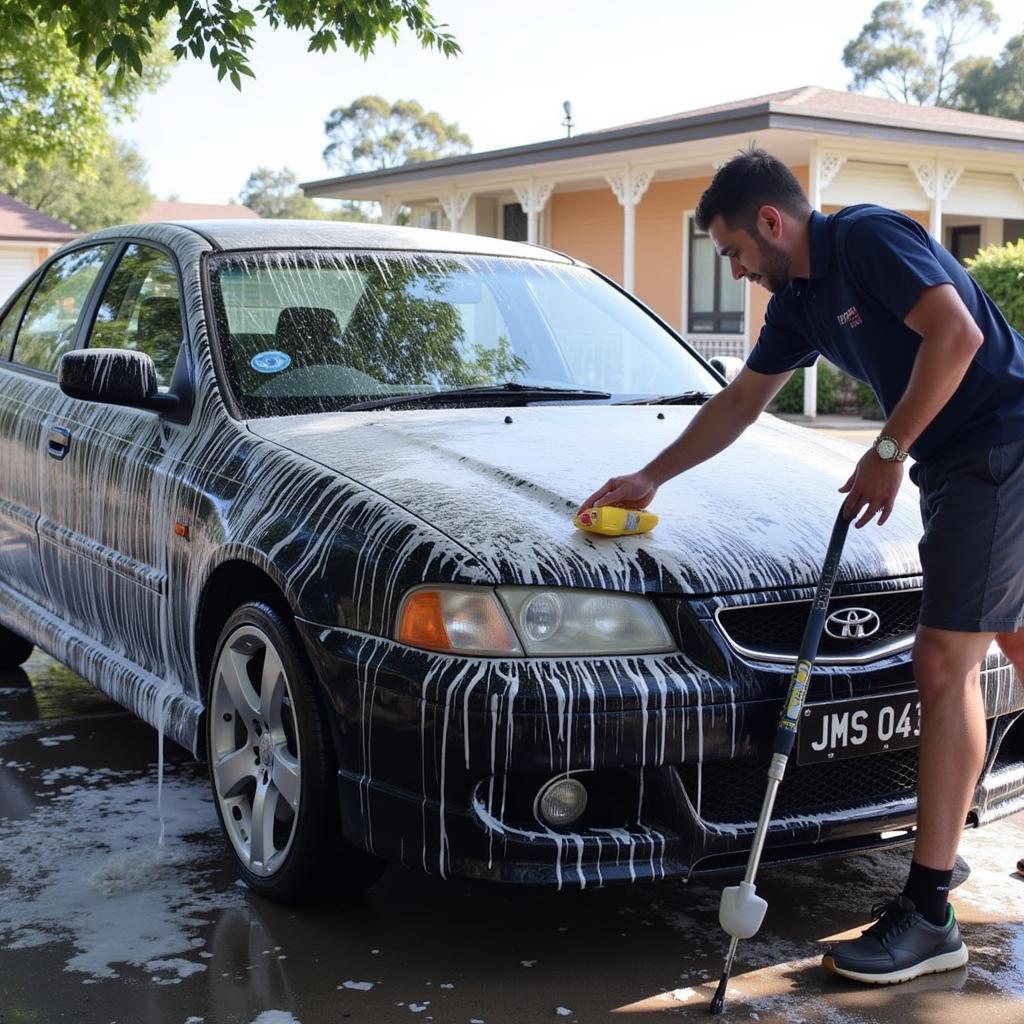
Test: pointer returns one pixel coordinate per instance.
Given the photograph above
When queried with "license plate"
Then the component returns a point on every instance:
(853, 728)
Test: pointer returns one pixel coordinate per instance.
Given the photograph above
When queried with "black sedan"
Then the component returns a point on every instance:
(300, 495)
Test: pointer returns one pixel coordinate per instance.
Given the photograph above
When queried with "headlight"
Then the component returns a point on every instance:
(532, 620)
(585, 622)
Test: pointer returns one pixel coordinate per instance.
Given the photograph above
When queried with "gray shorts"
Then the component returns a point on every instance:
(972, 551)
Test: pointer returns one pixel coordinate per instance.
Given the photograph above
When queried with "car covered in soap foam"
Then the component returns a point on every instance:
(300, 495)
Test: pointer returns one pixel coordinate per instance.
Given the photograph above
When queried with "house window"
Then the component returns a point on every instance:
(514, 227)
(965, 242)
(715, 302)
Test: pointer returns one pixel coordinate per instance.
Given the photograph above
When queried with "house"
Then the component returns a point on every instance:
(27, 237)
(170, 210)
(622, 199)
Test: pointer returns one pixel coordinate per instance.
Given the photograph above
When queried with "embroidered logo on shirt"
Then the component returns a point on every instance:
(851, 318)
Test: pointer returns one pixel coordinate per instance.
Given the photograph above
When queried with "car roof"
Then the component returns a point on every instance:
(226, 235)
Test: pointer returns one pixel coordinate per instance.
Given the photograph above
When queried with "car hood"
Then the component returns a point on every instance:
(504, 484)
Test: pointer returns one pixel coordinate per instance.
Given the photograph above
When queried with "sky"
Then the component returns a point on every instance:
(615, 62)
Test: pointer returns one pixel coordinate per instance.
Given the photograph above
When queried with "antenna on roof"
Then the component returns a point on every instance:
(567, 121)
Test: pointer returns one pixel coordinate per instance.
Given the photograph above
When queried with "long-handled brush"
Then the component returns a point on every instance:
(742, 910)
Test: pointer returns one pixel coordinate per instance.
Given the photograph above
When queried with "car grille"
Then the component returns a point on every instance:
(774, 631)
(732, 791)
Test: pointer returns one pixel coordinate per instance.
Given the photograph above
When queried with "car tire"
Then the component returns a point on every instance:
(272, 765)
(14, 650)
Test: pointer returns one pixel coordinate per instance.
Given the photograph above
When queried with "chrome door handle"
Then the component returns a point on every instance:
(58, 443)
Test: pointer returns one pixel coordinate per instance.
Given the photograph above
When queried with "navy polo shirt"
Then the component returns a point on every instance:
(869, 266)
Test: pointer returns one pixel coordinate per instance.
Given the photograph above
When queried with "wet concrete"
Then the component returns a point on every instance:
(100, 924)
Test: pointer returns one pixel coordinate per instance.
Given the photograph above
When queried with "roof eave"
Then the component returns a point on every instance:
(852, 125)
(688, 129)
(739, 121)
(41, 239)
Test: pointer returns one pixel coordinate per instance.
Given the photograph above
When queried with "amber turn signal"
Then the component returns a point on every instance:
(422, 623)
(457, 618)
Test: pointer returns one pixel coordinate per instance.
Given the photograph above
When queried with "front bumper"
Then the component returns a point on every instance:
(440, 758)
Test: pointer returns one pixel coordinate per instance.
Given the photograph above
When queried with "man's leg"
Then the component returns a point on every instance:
(917, 933)
(952, 743)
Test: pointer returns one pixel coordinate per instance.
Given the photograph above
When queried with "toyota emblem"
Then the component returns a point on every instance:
(852, 624)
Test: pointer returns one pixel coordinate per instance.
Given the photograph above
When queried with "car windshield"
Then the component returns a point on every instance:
(319, 331)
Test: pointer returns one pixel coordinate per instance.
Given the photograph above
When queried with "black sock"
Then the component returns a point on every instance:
(928, 890)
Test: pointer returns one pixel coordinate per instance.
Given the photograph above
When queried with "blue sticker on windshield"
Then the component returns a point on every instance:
(270, 362)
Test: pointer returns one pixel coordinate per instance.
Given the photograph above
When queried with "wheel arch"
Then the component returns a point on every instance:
(233, 581)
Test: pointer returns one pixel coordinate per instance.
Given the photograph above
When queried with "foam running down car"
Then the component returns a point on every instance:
(301, 495)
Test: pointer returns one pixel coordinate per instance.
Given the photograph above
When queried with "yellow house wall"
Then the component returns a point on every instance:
(589, 225)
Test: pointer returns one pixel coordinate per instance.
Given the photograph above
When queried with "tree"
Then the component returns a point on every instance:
(371, 134)
(891, 54)
(52, 106)
(276, 194)
(116, 192)
(125, 36)
(996, 87)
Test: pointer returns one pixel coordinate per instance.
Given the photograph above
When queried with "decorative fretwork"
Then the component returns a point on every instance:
(454, 205)
(630, 185)
(928, 175)
(829, 164)
(534, 197)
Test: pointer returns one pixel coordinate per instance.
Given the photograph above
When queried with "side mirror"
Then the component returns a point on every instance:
(728, 366)
(113, 376)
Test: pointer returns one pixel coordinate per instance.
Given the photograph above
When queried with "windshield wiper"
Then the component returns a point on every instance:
(684, 398)
(522, 393)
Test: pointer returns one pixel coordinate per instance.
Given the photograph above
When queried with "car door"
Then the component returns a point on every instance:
(105, 519)
(39, 326)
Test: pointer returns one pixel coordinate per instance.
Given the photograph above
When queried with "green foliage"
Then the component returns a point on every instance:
(404, 331)
(999, 269)
(791, 397)
(124, 36)
(114, 191)
(277, 194)
(892, 54)
(54, 106)
(838, 392)
(371, 134)
(996, 87)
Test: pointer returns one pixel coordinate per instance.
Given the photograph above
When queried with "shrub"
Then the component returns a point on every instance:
(791, 397)
(999, 269)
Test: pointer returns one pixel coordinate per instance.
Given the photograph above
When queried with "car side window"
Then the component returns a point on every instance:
(9, 326)
(141, 309)
(48, 327)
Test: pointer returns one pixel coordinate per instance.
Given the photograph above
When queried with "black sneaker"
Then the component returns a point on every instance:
(899, 946)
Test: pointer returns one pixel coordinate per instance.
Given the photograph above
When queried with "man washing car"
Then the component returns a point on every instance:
(873, 292)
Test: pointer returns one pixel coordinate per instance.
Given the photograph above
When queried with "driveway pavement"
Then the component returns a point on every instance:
(101, 924)
(849, 428)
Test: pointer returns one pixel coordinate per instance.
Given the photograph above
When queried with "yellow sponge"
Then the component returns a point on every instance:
(612, 521)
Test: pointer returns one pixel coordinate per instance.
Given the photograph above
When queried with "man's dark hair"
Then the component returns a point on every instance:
(746, 183)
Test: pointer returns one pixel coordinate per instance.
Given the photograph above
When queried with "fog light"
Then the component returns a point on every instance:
(561, 802)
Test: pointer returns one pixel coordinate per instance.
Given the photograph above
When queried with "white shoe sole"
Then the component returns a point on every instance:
(934, 965)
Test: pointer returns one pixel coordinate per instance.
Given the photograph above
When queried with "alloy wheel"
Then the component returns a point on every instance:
(255, 755)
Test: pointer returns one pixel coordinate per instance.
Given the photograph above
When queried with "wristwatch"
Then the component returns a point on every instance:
(888, 449)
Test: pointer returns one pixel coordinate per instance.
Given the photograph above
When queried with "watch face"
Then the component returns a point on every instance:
(886, 449)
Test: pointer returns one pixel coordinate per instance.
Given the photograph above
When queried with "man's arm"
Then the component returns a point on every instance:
(949, 340)
(718, 423)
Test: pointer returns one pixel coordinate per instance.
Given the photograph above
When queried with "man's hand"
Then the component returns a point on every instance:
(874, 483)
(636, 490)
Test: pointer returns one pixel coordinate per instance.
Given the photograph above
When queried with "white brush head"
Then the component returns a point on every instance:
(741, 911)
